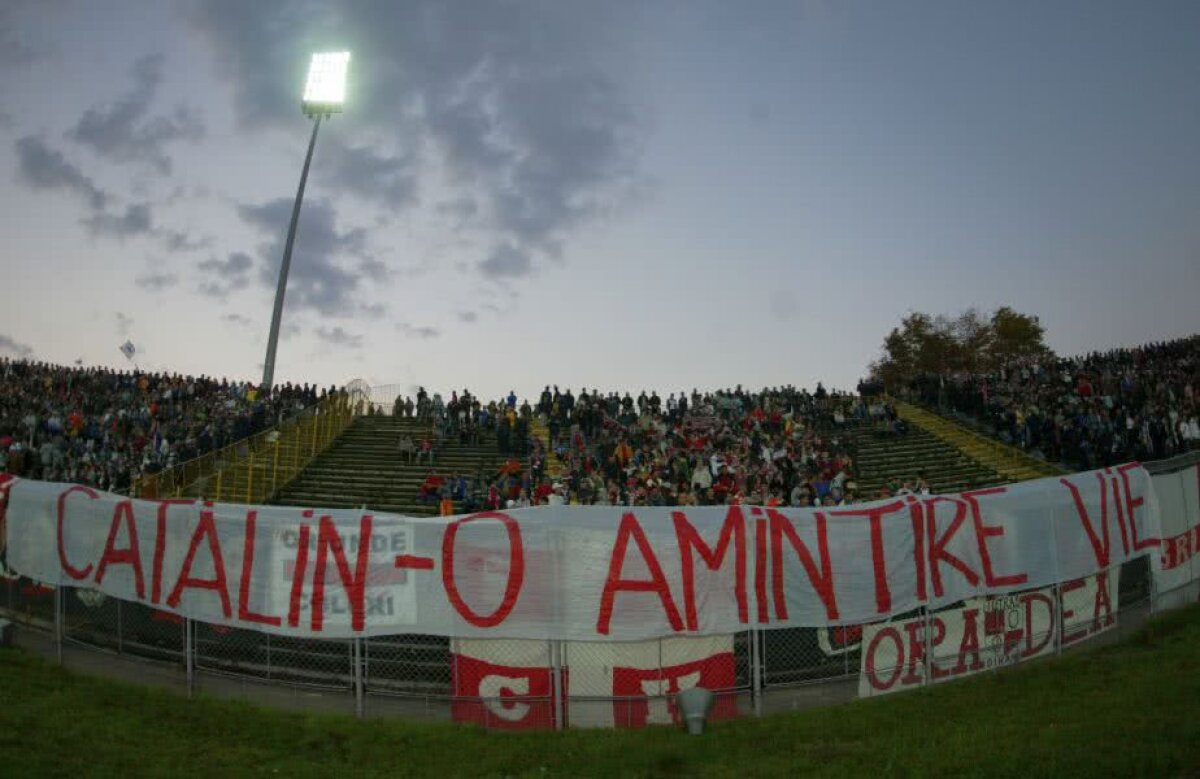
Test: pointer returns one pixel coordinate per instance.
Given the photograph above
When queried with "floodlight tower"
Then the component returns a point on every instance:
(324, 96)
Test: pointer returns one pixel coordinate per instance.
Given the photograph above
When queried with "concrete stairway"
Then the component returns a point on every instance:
(884, 457)
(1009, 461)
(363, 467)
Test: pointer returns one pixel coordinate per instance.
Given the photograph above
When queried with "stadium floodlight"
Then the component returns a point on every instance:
(325, 90)
(324, 96)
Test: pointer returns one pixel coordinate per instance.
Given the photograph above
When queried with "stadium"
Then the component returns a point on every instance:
(781, 375)
(363, 449)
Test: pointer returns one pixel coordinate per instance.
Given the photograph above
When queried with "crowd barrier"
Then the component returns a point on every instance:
(509, 683)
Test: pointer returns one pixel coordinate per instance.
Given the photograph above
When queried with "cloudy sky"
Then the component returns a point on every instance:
(622, 194)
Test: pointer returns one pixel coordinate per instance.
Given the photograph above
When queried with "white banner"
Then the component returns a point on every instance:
(984, 634)
(1177, 565)
(579, 573)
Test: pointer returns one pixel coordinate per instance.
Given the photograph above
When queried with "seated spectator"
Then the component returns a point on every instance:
(406, 447)
(431, 487)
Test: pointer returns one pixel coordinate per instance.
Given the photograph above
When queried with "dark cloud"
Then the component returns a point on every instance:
(505, 99)
(374, 270)
(236, 319)
(44, 167)
(506, 262)
(178, 241)
(317, 279)
(337, 336)
(134, 222)
(123, 131)
(390, 180)
(10, 346)
(372, 310)
(467, 316)
(417, 332)
(124, 323)
(225, 276)
(16, 48)
(156, 282)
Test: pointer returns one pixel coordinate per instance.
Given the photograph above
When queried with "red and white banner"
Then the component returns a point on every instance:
(502, 683)
(628, 685)
(984, 634)
(579, 573)
(1177, 565)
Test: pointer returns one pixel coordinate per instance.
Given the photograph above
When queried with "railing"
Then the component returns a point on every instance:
(253, 469)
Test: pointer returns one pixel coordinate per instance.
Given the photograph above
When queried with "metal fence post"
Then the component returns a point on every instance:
(189, 660)
(58, 622)
(927, 649)
(556, 689)
(360, 697)
(250, 477)
(1057, 626)
(756, 680)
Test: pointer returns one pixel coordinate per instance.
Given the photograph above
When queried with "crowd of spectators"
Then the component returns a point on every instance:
(773, 447)
(106, 428)
(1089, 411)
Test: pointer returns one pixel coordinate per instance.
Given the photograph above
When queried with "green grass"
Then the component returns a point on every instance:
(1129, 709)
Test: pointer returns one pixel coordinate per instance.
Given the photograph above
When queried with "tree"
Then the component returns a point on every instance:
(1017, 335)
(971, 342)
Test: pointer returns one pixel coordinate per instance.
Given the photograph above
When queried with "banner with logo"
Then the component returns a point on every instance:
(984, 634)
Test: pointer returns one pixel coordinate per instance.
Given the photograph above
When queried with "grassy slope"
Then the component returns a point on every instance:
(1122, 710)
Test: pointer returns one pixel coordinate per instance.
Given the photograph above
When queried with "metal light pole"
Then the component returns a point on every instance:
(324, 95)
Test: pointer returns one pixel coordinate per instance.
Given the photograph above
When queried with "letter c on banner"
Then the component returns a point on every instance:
(872, 669)
(72, 571)
(516, 570)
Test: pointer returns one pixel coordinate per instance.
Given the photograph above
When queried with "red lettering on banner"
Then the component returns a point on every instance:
(414, 562)
(1101, 546)
(937, 546)
(969, 644)
(760, 567)
(130, 555)
(1132, 504)
(244, 612)
(205, 528)
(1181, 548)
(516, 570)
(1063, 589)
(298, 572)
(72, 571)
(1028, 599)
(1103, 604)
(821, 578)
(983, 533)
(883, 594)
(916, 514)
(657, 583)
(160, 544)
(869, 667)
(939, 635)
(354, 583)
(916, 652)
(734, 529)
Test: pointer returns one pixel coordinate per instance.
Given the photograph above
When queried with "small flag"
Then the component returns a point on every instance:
(128, 349)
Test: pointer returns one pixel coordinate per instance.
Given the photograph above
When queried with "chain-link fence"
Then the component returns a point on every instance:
(517, 684)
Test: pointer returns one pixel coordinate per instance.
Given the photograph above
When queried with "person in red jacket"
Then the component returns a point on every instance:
(431, 487)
